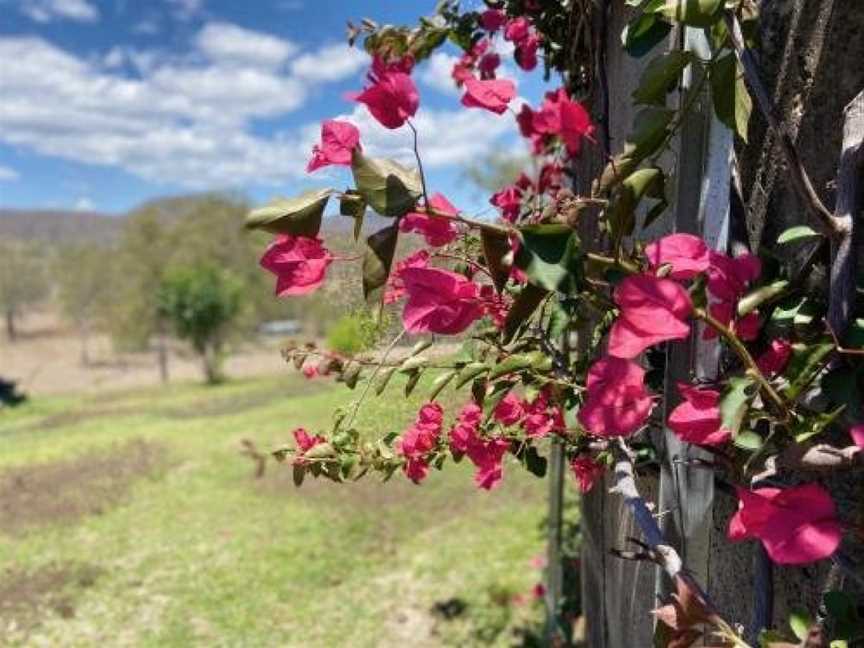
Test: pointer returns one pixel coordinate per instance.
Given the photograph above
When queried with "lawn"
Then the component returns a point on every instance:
(134, 520)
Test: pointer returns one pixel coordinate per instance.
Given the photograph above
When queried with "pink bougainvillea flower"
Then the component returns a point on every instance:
(492, 20)
(395, 288)
(495, 305)
(517, 29)
(464, 431)
(491, 94)
(617, 403)
(728, 277)
(436, 230)
(652, 311)
(796, 525)
(697, 420)
(560, 115)
(551, 175)
(538, 591)
(587, 472)
(542, 416)
(418, 440)
(685, 253)
(305, 442)
(439, 301)
(310, 371)
(526, 52)
(488, 64)
(509, 201)
(338, 141)
(509, 411)
(299, 263)
(774, 359)
(392, 97)
(857, 434)
(485, 454)
(488, 456)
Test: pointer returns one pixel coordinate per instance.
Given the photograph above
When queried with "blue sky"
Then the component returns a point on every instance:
(106, 103)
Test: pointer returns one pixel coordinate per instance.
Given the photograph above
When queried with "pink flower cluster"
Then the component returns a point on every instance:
(305, 442)
(558, 116)
(391, 97)
(486, 454)
(300, 264)
(419, 440)
(538, 418)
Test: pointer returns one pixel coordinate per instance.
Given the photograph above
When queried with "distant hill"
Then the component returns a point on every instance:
(57, 226)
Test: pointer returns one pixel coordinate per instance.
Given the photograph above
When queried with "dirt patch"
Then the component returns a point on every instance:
(26, 597)
(64, 491)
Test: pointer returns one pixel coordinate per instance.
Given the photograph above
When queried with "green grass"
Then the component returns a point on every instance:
(199, 553)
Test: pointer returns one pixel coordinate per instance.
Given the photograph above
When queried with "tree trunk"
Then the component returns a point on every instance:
(211, 361)
(162, 351)
(11, 332)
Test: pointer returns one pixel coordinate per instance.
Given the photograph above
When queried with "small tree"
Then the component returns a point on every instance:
(23, 281)
(201, 302)
(84, 288)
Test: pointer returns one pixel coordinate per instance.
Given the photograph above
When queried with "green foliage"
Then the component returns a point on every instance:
(354, 332)
(299, 216)
(201, 302)
(23, 280)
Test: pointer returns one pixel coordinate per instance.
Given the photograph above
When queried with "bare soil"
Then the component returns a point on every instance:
(65, 491)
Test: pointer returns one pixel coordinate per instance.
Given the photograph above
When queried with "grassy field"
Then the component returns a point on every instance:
(134, 520)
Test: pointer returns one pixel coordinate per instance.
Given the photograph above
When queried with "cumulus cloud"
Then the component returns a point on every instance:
(332, 62)
(44, 11)
(8, 174)
(437, 73)
(84, 204)
(227, 43)
(190, 120)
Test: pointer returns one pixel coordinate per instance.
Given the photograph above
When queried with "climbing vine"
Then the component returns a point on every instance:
(563, 340)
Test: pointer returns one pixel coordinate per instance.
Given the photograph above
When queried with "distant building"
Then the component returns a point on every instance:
(280, 327)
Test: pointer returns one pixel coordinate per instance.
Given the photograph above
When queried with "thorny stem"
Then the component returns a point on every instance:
(419, 163)
(375, 371)
(741, 351)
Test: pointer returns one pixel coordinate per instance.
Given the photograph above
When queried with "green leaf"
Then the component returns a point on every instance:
(800, 621)
(523, 307)
(733, 403)
(350, 375)
(413, 379)
(643, 33)
(298, 473)
(380, 248)
(441, 382)
(621, 213)
(547, 255)
(650, 129)
(732, 102)
(496, 250)
(516, 362)
(412, 363)
(753, 300)
(533, 462)
(840, 386)
(661, 76)
(299, 216)
(352, 204)
(388, 187)
(383, 379)
(748, 440)
(696, 13)
(469, 372)
(815, 424)
(807, 361)
(796, 234)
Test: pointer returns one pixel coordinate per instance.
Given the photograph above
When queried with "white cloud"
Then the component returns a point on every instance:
(436, 73)
(186, 9)
(189, 120)
(8, 174)
(446, 137)
(332, 62)
(230, 44)
(47, 10)
(84, 204)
